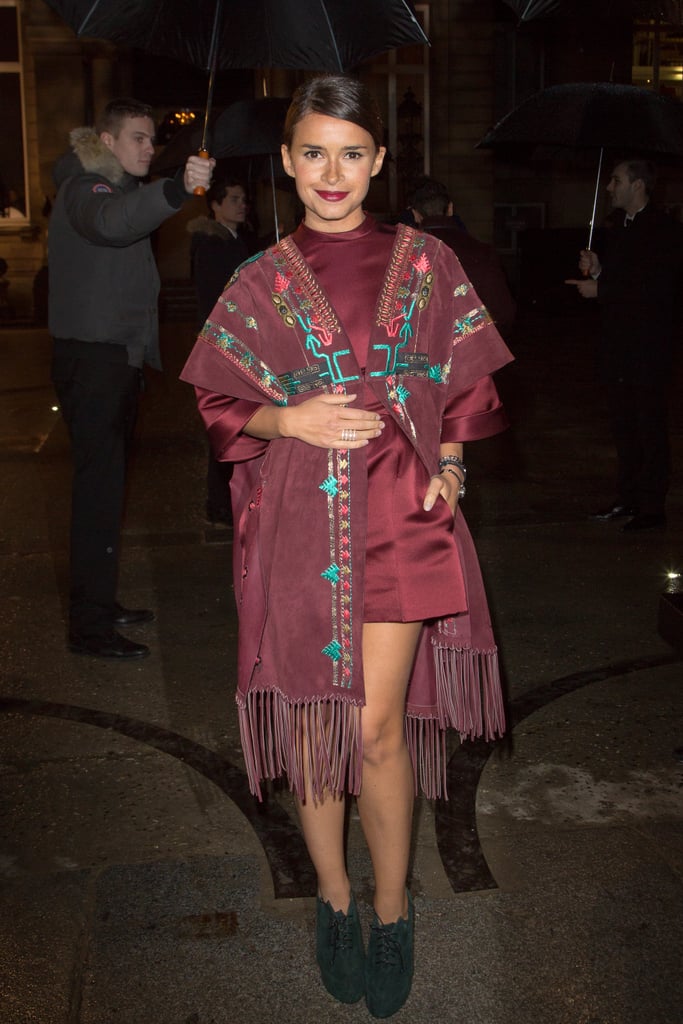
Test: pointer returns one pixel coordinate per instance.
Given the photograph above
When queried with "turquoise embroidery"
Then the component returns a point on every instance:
(392, 365)
(298, 299)
(317, 336)
(435, 374)
(338, 572)
(330, 486)
(333, 650)
(471, 322)
(332, 573)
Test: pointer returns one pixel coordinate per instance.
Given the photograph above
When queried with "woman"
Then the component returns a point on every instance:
(341, 371)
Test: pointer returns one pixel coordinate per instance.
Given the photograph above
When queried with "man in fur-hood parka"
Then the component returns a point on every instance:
(103, 291)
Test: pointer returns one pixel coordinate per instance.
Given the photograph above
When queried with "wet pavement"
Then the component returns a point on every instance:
(140, 883)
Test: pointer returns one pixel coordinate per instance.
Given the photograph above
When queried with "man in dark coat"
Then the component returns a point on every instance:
(636, 279)
(217, 248)
(432, 211)
(103, 290)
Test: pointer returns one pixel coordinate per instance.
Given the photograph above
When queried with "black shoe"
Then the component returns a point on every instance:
(645, 521)
(615, 511)
(131, 616)
(112, 645)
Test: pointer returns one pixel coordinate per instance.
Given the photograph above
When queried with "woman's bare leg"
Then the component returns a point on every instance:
(323, 827)
(385, 803)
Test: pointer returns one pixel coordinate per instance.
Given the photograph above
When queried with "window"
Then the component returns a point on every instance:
(13, 192)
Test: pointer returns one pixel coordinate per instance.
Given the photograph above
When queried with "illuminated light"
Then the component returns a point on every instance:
(673, 575)
(54, 408)
(183, 117)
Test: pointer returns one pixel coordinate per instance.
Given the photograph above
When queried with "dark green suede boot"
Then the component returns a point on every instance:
(389, 964)
(339, 951)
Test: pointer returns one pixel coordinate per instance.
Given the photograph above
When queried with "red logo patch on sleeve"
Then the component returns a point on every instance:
(102, 187)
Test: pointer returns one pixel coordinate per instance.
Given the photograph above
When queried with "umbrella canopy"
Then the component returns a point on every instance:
(528, 9)
(246, 128)
(593, 115)
(250, 127)
(316, 35)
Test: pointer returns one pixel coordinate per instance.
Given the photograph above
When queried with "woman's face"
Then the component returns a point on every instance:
(332, 162)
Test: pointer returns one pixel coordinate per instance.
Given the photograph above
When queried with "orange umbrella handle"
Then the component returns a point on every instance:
(199, 190)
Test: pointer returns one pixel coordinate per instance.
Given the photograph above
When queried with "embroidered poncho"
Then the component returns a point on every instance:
(301, 511)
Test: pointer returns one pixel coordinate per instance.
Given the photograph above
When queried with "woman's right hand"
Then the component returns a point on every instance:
(328, 421)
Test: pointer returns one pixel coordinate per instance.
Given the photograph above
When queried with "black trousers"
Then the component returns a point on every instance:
(98, 394)
(639, 413)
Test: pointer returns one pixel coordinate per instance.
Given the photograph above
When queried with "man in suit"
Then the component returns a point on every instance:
(636, 279)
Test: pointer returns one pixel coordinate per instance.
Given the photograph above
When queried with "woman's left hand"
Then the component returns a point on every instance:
(446, 485)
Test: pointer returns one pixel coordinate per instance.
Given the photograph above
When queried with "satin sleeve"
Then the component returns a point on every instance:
(225, 418)
(474, 413)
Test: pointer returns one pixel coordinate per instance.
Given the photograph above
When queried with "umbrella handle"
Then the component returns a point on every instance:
(199, 190)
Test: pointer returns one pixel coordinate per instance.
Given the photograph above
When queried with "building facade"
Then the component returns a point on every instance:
(438, 102)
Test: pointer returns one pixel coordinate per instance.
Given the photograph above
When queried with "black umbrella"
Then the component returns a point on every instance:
(592, 115)
(318, 35)
(247, 128)
(528, 9)
(254, 128)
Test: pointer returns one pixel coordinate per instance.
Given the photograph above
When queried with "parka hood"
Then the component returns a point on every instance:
(88, 153)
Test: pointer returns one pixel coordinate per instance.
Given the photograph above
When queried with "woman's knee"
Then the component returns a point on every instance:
(383, 740)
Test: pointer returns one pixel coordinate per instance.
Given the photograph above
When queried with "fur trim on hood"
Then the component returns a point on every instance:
(95, 156)
(207, 226)
(88, 153)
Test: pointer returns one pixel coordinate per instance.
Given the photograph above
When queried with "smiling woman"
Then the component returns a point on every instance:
(341, 371)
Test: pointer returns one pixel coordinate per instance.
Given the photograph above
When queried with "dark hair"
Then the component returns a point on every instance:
(219, 190)
(429, 197)
(643, 169)
(335, 96)
(117, 111)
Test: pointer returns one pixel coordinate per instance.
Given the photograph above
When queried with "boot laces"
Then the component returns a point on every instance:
(341, 936)
(387, 948)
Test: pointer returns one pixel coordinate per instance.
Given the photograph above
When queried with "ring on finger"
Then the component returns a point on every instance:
(348, 434)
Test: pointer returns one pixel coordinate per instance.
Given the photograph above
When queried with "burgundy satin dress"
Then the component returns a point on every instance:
(413, 570)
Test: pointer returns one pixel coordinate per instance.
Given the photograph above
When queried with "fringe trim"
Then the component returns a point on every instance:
(427, 746)
(317, 745)
(469, 694)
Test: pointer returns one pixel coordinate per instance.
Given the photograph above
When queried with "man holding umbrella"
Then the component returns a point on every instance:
(103, 289)
(636, 279)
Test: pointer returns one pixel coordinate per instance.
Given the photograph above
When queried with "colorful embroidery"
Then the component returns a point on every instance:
(470, 323)
(408, 284)
(299, 300)
(242, 356)
(337, 487)
(249, 321)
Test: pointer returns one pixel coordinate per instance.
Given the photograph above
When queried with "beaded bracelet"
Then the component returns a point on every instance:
(461, 489)
(453, 460)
